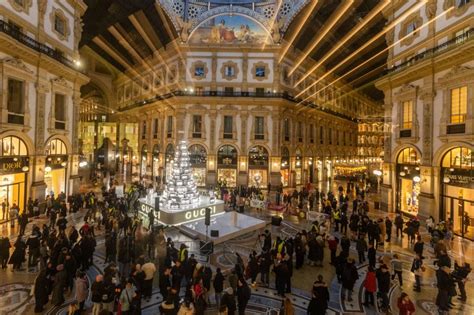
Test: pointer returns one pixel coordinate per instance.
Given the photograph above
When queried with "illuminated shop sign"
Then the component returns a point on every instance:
(11, 165)
(177, 218)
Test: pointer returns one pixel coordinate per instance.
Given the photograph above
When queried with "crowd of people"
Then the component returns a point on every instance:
(138, 258)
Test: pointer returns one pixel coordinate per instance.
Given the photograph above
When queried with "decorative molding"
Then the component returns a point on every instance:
(21, 8)
(17, 64)
(430, 9)
(229, 64)
(457, 11)
(61, 82)
(78, 27)
(412, 18)
(52, 17)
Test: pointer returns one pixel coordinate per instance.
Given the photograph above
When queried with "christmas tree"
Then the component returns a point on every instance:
(180, 189)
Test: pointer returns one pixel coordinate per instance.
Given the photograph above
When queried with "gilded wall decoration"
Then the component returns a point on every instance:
(229, 70)
(260, 71)
(25, 7)
(199, 70)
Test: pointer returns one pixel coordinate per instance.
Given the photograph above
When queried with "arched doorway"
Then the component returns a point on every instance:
(155, 163)
(227, 165)
(457, 190)
(408, 181)
(198, 160)
(56, 167)
(285, 167)
(169, 156)
(14, 167)
(258, 166)
(143, 161)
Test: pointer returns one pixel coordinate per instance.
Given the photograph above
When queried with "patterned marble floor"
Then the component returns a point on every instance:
(15, 287)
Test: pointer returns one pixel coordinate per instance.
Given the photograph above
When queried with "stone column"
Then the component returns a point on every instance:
(37, 162)
(214, 72)
(73, 165)
(426, 198)
(180, 115)
(245, 66)
(212, 157)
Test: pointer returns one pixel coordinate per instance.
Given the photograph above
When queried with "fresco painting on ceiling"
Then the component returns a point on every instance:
(230, 29)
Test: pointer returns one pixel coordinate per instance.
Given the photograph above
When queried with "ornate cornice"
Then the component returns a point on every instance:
(21, 8)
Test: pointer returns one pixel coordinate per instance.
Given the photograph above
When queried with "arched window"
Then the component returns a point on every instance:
(227, 156)
(12, 146)
(258, 156)
(56, 147)
(156, 151)
(458, 157)
(197, 155)
(408, 156)
(144, 150)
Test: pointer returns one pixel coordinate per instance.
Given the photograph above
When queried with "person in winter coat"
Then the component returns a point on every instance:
(168, 307)
(370, 286)
(361, 247)
(81, 290)
(18, 255)
(388, 229)
(446, 286)
(4, 251)
(349, 277)
(417, 269)
(40, 291)
(97, 290)
(332, 244)
(228, 302)
(60, 282)
(218, 285)
(399, 224)
(320, 297)
(405, 305)
(383, 285)
(243, 295)
(371, 255)
(126, 297)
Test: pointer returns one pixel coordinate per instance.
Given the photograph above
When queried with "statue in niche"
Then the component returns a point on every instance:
(184, 29)
(276, 27)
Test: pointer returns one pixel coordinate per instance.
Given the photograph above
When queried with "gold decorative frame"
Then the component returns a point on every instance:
(418, 20)
(229, 64)
(457, 11)
(21, 8)
(192, 71)
(60, 14)
(259, 65)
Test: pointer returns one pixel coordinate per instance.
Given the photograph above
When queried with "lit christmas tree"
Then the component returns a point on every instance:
(180, 189)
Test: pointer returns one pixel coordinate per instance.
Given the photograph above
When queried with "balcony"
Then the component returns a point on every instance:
(33, 44)
(458, 40)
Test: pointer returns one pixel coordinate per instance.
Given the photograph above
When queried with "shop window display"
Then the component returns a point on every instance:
(56, 167)
(198, 160)
(408, 181)
(227, 165)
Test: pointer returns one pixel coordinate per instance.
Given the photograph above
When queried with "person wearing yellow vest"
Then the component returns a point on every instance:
(278, 246)
(183, 253)
(337, 219)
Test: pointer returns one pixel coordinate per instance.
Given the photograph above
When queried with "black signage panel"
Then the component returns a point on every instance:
(11, 165)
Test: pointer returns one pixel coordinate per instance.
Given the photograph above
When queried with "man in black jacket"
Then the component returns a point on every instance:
(383, 284)
(243, 295)
(460, 276)
(228, 302)
(97, 292)
(218, 285)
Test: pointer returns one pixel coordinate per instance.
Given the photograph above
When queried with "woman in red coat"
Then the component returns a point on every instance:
(405, 305)
(370, 285)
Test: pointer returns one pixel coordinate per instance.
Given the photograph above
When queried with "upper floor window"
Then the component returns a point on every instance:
(407, 114)
(311, 133)
(458, 105)
(229, 71)
(260, 72)
(155, 128)
(228, 91)
(144, 129)
(198, 90)
(260, 91)
(321, 135)
(228, 127)
(411, 27)
(300, 131)
(16, 97)
(60, 25)
(197, 126)
(462, 35)
(199, 71)
(286, 129)
(169, 127)
(330, 136)
(259, 128)
(460, 3)
(59, 111)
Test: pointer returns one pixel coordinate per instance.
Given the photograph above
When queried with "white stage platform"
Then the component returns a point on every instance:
(229, 224)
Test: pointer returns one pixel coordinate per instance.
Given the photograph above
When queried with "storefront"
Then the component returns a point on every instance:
(285, 167)
(155, 163)
(55, 171)
(169, 156)
(408, 181)
(143, 161)
(319, 170)
(227, 166)
(14, 167)
(258, 167)
(298, 167)
(198, 160)
(457, 190)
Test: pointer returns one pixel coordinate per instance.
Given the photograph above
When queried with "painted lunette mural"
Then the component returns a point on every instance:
(230, 29)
